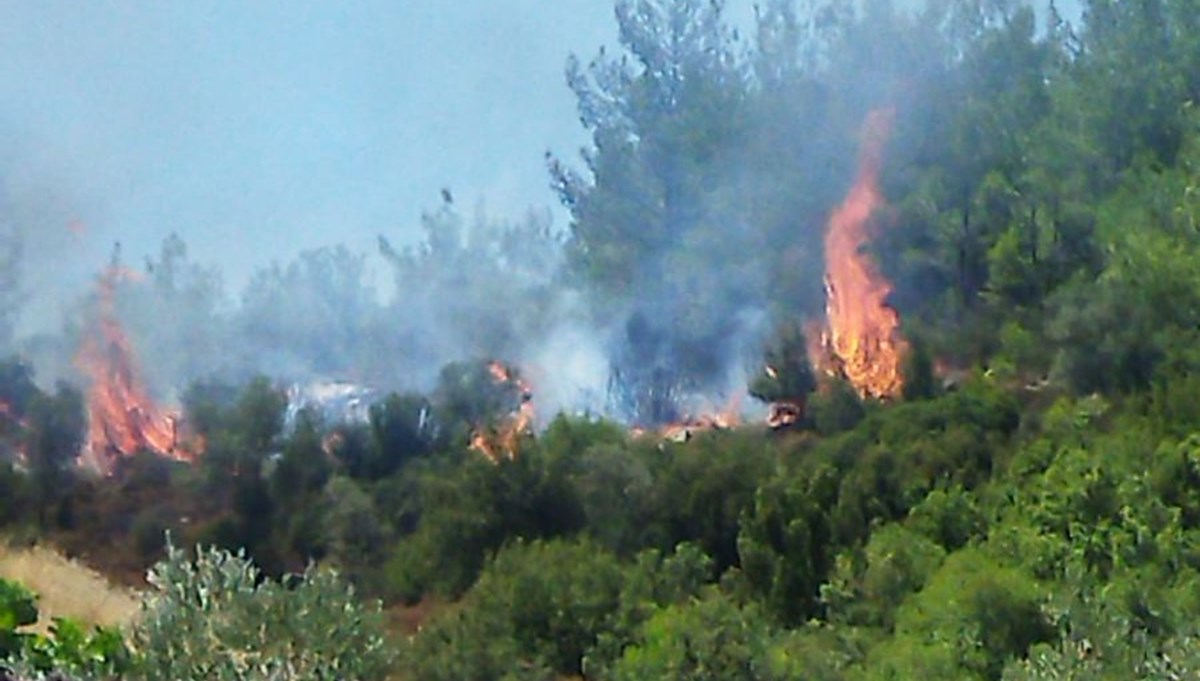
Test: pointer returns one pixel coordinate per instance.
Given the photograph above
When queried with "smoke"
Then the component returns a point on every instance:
(680, 252)
(45, 231)
(568, 368)
(472, 289)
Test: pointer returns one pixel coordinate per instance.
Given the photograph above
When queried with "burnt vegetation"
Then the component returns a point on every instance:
(1025, 506)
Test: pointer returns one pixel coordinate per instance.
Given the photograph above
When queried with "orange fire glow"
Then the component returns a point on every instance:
(122, 418)
(504, 439)
(863, 331)
(724, 418)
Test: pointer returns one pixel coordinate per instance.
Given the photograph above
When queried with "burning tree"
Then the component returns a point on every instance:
(502, 438)
(122, 417)
(863, 333)
(487, 404)
(787, 377)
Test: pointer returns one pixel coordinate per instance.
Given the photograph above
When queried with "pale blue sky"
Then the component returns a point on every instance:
(256, 128)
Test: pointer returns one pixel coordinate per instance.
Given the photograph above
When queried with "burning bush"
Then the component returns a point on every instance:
(122, 417)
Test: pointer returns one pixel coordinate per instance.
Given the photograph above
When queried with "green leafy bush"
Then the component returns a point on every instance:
(711, 638)
(72, 649)
(69, 647)
(217, 618)
(18, 608)
(537, 606)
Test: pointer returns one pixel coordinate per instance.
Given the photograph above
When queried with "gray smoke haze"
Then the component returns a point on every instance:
(264, 167)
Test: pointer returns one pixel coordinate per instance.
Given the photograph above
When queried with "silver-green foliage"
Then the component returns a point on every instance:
(217, 617)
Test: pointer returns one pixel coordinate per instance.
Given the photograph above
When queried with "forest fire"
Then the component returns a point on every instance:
(122, 418)
(707, 418)
(503, 440)
(862, 335)
(723, 419)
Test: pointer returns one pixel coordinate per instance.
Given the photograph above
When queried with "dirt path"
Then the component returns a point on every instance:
(66, 588)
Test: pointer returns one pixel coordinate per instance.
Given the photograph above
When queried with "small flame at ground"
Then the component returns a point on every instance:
(504, 439)
(122, 418)
(863, 330)
(724, 418)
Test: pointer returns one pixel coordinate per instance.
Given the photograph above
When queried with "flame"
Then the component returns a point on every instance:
(498, 371)
(820, 354)
(863, 331)
(784, 414)
(122, 418)
(724, 418)
(504, 440)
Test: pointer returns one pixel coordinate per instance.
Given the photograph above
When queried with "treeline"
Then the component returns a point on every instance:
(1034, 522)
(1038, 170)
(987, 531)
(948, 538)
(1028, 510)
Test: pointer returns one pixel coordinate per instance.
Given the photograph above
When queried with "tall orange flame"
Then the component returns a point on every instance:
(863, 331)
(122, 418)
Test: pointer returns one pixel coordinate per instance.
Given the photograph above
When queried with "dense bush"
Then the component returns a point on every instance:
(536, 606)
(68, 648)
(217, 617)
(708, 639)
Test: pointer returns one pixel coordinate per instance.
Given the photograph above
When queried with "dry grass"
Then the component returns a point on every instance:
(67, 588)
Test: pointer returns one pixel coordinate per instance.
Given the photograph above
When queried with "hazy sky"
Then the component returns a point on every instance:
(256, 128)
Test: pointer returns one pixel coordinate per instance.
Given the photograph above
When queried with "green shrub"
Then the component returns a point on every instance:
(18, 608)
(217, 618)
(69, 647)
(836, 409)
(972, 617)
(72, 649)
(711, 638)
(538, 605)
